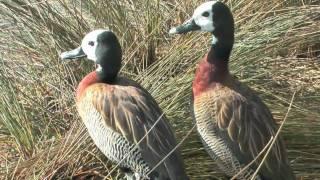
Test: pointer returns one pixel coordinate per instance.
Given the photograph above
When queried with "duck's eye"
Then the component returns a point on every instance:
(205, 14)
(91, 43)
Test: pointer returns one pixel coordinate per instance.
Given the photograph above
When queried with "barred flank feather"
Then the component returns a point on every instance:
(117, 116)
(235, 125)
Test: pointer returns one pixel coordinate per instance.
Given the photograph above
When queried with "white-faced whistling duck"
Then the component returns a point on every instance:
(233, 122)
(118, 113)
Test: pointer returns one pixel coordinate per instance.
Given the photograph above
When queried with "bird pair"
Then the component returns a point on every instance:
(130, 129)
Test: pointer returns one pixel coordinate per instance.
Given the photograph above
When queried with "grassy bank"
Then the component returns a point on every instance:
(277, 53)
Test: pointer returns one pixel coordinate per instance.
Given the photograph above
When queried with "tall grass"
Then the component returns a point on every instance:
(276, 52)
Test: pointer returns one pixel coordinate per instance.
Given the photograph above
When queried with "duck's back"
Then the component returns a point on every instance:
(118, 116)
(235, 125)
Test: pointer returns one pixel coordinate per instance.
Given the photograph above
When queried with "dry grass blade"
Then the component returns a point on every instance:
(135, 146)
(254, 160)
(174, 149)
(274, 139)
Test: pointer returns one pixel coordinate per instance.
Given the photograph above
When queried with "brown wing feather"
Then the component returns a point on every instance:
(244, 123)
(249, 123)
(131, 111)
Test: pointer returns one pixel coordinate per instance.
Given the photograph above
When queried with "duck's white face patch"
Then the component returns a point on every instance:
(99, 68)
(89, 44)
(203, 16)
(214, 39)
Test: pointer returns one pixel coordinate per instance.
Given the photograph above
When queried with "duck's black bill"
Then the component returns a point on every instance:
(188, 26)
(73, 54)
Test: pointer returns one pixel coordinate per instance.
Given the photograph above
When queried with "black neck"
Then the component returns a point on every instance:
(107, 75)
(221, 49)
(109, 56)
(217, 57)
(223, 32)
(110, 65)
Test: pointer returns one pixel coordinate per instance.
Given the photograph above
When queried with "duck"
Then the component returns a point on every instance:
(234, 124)
(122, 118)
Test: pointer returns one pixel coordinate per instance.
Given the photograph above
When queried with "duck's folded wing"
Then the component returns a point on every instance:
(248, 122)
(132, 112)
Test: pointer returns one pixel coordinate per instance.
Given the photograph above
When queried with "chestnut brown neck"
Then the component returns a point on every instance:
(88, 80)
(210, 73)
